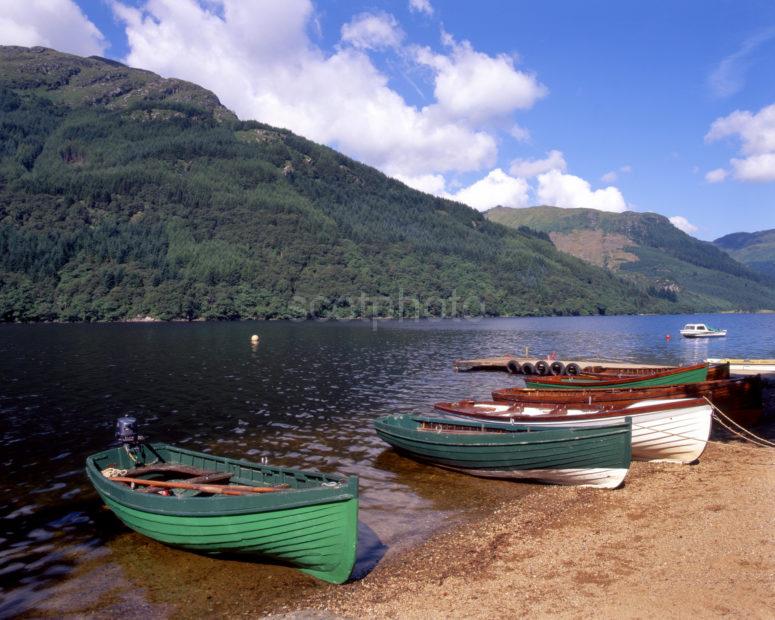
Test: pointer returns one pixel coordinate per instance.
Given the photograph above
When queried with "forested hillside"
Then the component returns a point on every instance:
(649, 250)
(123, 194)
(755, 250)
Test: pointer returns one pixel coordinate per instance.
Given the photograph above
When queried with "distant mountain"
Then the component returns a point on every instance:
(124, 194)
(648, 249)
(756, 250)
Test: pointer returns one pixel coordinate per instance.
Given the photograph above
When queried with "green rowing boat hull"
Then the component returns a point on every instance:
(311, 526)
(694, 375)
(572, 455)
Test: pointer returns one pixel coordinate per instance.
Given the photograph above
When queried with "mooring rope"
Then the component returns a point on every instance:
(722, 418)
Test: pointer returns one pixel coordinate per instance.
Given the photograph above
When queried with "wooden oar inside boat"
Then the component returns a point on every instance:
(221, 489)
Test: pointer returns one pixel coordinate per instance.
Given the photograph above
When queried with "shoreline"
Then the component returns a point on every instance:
(695, 538)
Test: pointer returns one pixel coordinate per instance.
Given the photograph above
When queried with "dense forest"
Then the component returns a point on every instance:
(123, 194)
(654, 253)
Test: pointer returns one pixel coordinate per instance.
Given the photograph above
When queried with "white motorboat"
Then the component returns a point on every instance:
(700, 330)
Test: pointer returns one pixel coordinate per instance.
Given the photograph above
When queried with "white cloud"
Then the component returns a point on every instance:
(421, 6)
(569, 191)
(728, 77)
(475, 87)
(716, 176)
(612, 175)
(257, 57)
(59, 24)
(527, 168)
(681, 223)
(372, 31)
(259, 60)
(519, 133)
(757, 136)
(428, 183)
(496, 189)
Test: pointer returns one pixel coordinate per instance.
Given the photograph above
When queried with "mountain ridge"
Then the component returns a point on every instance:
(124, 194)
(756, 249)
(649, 249)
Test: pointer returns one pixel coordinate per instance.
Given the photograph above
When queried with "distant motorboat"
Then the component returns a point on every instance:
(700, 330)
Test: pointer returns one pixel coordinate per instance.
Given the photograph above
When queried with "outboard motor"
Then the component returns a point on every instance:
(126, 435)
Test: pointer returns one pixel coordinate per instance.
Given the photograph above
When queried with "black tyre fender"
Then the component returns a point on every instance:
(542, 367)
(514, 367)
(528, 369)
(558, 368)
(573, 368)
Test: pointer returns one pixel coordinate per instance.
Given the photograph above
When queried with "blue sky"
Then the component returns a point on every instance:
(658, 106)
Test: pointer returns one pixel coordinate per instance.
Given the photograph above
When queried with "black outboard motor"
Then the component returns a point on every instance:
(126, 435)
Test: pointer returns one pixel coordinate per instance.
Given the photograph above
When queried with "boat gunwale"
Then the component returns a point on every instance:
(581, 383)
(681, 403)
(217, 506)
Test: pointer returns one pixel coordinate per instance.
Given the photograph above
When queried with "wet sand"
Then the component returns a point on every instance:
(675, 541)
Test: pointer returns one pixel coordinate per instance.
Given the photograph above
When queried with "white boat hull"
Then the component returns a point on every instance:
(747, 367)
(600, 478)
(676, 435)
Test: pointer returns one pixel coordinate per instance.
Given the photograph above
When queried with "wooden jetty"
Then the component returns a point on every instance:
(501, 362)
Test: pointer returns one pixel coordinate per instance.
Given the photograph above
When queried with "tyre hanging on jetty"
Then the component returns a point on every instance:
(514, 367)
(557, 368)
(573, 369)
(528, 369)
(542, 368)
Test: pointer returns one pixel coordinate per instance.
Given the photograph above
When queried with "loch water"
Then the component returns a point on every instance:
(305, 396)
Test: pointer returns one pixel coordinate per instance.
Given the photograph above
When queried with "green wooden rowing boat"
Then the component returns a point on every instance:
(674, 376)
(597, 456)
(310, 522)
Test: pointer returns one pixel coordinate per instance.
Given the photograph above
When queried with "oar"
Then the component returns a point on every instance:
(222, 489)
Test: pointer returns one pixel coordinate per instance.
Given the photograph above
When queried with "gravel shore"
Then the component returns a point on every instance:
(675, 541)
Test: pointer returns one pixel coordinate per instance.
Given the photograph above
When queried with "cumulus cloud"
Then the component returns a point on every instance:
(372, 31)
(519, 133)
(756, 133)
(609, 177)
(681, 223)
(496, 189)
(51, 23)
(259, 60)
(527, 168)
(475, 87)
(421, 6)
(569, 191)
(716, 176)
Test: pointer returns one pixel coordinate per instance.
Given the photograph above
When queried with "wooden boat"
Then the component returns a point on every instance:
(717, 369)
(671, 430)
(746, 366)
(675, 376)
(700, 330)
(741, 399)
(307, 520)
(597, 457)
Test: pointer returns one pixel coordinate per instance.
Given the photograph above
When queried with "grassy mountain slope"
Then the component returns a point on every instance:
(649, 249)
(755, 250)
(123, 194)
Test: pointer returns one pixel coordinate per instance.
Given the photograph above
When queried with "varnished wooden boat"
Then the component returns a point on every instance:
(741, 399)
(309, 520)
(675, 376)
(672, 430)
(717, 370)
(598, 457)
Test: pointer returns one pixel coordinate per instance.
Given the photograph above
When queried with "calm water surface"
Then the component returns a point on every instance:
(305, 397)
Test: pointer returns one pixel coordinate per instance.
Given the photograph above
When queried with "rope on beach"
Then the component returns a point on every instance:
(722, 418)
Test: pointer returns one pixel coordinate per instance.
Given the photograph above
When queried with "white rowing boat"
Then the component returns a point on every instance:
(746, 366)
(675, 430)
